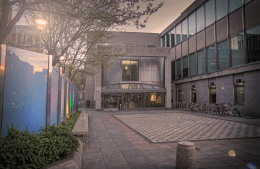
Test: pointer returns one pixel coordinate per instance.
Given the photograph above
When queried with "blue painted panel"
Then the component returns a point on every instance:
(54, 95)
(62, 116)
(25, 90)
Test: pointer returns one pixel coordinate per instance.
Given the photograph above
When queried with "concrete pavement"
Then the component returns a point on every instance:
(127, 143)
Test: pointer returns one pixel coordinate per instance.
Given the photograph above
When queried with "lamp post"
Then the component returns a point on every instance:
(40, 25)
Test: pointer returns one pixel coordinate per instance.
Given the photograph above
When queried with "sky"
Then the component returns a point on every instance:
(158, 21)
(161, 19)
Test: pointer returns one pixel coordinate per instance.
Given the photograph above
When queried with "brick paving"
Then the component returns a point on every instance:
(174, 127)
(112, 144)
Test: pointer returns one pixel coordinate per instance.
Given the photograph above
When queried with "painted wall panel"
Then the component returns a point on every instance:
(25, 90)
(54, 95)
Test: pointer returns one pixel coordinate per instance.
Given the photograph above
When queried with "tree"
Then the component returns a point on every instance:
(77, 30)
(20, 6)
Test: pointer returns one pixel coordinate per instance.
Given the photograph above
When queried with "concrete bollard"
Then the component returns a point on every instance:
(185, 158)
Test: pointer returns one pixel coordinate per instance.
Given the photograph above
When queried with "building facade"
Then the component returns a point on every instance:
(211, 53)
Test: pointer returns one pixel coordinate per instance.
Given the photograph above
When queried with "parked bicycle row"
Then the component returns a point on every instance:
(223, 109)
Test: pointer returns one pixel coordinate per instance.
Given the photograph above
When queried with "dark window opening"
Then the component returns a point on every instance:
(193, 95)
(185, 67)
(179, 95)
(212, 94)
(173, 70)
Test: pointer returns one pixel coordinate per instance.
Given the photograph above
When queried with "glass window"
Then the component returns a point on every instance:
(172, 37)
(193, 95)
(221, 9)
(211, 59)
(223, 61)
(147, 86)
(253, 44)
(185, 66)
(192, 65)
(212, 94)
(184, 26)
(237, 50)
(173, 70)
(126, 86)
(179, 69)
(163, 41)
(201, 62)
(130, 70)
(179, 95)
(246, 1)
(156, 99)
(133, 100)
(167, 36)
(234, 4)
(240, 94)
(178, 34)
(191, 24)
(209, 13)
(136, 86)
(200, 18)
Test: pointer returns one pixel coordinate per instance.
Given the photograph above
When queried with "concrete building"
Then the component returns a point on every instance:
(211, 53)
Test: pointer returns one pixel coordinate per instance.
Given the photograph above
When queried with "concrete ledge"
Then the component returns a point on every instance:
(74, 160)
(81, 126)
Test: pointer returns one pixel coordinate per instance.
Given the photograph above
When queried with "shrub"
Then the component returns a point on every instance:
(24, 150)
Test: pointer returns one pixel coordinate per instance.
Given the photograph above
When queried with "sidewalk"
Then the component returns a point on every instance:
(113, 145)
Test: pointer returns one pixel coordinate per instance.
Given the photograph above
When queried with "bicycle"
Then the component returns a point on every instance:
(230, 108)
(215, 109)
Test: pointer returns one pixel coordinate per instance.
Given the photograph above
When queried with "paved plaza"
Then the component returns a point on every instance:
(148, 140)
(174, 127)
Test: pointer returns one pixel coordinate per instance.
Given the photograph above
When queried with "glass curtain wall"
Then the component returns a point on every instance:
(133, 100)
(237, 50)
(246, 1)
(130, 70)
(172, 37)
(185, 67)
(209, 13)
(112, 100)
(211, 59)
(156, 99)
(201, 62)
(221, 8)
(178, 34)
(200, 18)
(184, 29)
(167, 36)
(179, 69)
(253, 44)
(223, 61)
(234, 4)
(191, 24)
(173, 70)
(192, 60)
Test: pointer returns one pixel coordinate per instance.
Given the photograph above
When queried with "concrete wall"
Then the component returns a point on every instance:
(151, 71)
(90, 88)
(224, 89)
(134, 38)
(202, 91)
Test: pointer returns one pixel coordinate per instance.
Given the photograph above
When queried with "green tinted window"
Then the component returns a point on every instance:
(223, 61)
(240, 94)
(211, 59)
(201, 62)
(192, 65)
(237, 49)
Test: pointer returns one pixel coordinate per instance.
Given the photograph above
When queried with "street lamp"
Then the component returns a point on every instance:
(40, 25)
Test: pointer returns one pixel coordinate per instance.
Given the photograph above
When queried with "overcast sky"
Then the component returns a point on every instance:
(158, 21)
